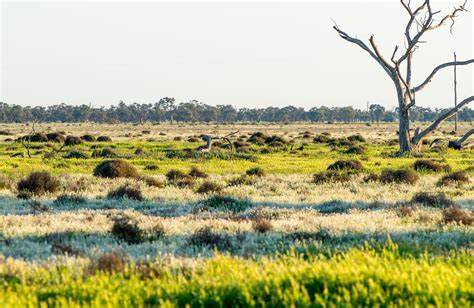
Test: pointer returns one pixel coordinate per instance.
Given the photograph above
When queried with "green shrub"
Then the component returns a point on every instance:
(114, 169)
(38, 183)
(407, 176)
(105, 152)
(355, 150)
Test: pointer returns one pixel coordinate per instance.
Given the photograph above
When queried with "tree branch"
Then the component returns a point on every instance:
(362, 45)
(419, 136)
(436, 69)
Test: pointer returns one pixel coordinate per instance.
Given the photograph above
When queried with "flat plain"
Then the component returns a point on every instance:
(285, 215)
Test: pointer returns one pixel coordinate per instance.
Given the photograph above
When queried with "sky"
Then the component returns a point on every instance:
(243, 53)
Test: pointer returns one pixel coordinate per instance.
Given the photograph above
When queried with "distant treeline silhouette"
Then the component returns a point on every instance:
(167, 110)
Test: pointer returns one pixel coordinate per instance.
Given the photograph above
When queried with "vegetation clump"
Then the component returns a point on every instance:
(457, 215)
(126, 229)
(197, 173)
(76, 154)
(242, 180)
(116, 168)
(430, 165)
(36, 137)
(438, 200)
(262, 225)
(256, 171)
(126, 192)
(460, 177)
(110, 262)
(104, 139)
(72, 140)
(67, 199)
(331, 177)
(38, 183)
(88, 138)
(207, 237)
(349, 165)
(226, 203)
(55, 137)
(371, 177)
(321, 139)
(356, 138)
(407, 176)
(355, 150)
(105, 152)
(151, 167)
(152, 182)
(257, 138)
(208, 187)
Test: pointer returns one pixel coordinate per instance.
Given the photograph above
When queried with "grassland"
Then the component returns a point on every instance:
(277, 239)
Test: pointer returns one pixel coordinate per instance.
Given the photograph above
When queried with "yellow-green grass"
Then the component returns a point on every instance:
(359, 277)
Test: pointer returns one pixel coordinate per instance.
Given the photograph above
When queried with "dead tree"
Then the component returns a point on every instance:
(209, 138)
(458, 144)
(421, 20)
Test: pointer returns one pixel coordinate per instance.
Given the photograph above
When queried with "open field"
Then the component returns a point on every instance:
(277, 235)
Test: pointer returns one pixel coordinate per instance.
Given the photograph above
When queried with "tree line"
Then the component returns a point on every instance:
(167, 110)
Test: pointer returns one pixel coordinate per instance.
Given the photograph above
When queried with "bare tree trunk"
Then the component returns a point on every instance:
(458, 144)
(404, 133)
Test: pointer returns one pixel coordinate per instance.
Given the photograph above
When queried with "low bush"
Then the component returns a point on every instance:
(262, 225)
(104, 139)
(349, 165)
(110, 262)
(174, 175)
(321, 139)
(55, 137)
(72, 140)
(66, 199)
(226, 203)
(37, 137)
(457, 215)
(38, 183)
(126, 192)
(114, 169)
(407, 176)
(76, 154)
(331, 177)
(151, 167)
(371, 177)
(207, 237)
(460, 177)
(242, 180)
(438, 200)
(5, 182)
(88, 138)
(152, 182)
(430, 165)
(356, 150)
(209, 187)
(256, 171)
(140, 152)
(105, 152)
(196, 173)
(356, 138)
(126, 229)
(405, 211)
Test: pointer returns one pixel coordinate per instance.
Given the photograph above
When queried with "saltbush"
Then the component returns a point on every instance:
(114, 169)
(38, 183)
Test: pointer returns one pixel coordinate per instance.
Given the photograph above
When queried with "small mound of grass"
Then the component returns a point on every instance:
(331, 177)
(115, 169)
(407, 176)
(437, 200)
(207, 237)
(257, 171)
(76, 154)
(196, 173)
(355, 150)
(356, 138)
(126, 192)
(69, 199)
(209, 187)
(350, 165)
(371, 177)
(38, 183)
(105, 152)
(262, 225)
(455, 214)
(226, 203)
(460, 177)
(72, 140)
(126, 229)
(430, 165)
(88, 138)
(104, 139)
(242, 180)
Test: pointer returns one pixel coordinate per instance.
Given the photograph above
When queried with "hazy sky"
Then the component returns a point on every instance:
(247, 54)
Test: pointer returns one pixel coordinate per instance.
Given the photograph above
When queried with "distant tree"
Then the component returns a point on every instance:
(376, 112)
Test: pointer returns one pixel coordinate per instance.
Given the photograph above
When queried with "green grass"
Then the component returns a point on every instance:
(359, 277)
(315, 158)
